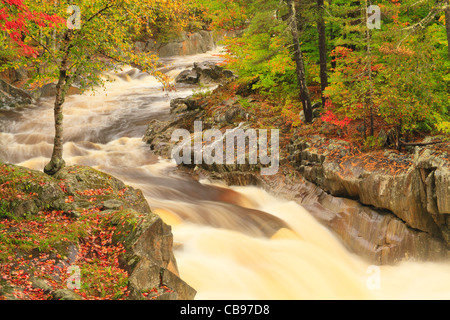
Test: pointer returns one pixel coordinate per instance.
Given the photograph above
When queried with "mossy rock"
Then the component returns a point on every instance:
(90, 187)
(26, 192)
(78, 178)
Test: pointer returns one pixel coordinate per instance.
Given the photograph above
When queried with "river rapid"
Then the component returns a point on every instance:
(221, 245)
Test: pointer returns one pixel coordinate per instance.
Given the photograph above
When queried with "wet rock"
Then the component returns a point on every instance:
(205, 73)
(380, 235)
(184, 104)
(186, 44)
(158, 137)
(188, 77)
(210, 72)
(377, 235)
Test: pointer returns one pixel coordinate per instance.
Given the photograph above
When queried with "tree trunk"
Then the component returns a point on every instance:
(447, 25)
(57, 162)
(322, 49)
(370, 75)
(300, 66)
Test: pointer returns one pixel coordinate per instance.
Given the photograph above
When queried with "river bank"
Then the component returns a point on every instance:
(82, 234)
(385, 205)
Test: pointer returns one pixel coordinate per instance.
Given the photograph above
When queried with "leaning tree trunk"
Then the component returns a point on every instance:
(300, 66)
(322, 49)
(57, 162)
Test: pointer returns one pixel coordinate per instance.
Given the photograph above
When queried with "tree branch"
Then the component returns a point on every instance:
(44, 47)
(108, 6)
(424, 22)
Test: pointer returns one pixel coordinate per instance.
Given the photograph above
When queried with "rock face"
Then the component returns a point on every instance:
(149, 259)
(415, 189)
(12, 97)
(187, 44)
(375, 234)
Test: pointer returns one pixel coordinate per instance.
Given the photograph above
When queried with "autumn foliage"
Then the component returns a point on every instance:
(393, 78)
(17, 20)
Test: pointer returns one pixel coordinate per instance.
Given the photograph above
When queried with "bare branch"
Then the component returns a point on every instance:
(424, 22)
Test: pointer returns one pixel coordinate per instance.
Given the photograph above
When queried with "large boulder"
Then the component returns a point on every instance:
(189, 76)
(204, 73)
(11, 96)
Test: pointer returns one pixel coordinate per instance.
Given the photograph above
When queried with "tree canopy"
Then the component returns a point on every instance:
(382, 64)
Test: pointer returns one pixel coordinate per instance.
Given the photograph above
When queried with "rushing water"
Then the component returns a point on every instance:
(230, 243)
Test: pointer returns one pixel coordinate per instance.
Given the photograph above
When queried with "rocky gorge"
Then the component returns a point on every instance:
(384, 205)
(335, 182)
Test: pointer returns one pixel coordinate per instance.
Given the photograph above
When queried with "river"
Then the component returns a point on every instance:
(221, 247)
